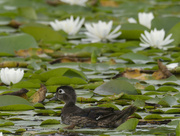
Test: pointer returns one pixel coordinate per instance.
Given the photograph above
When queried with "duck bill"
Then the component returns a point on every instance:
(53, 98)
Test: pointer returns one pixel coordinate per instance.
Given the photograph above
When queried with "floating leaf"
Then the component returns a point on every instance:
(168, 101)
(135, 74)
(27, 12)
(153, 116)
(50, 122)
(11, 103)
(43, 33)
(82, 99)
(108, 105)
(62, 80)
(21, 130)
(167, 89)
(112, 98)
(34, 83)
(128, 125)
(67, 72)
(45, 112)
(40, 95)
(178, 129)
(7, 124)
(115, 87)
(136, 58)
(132, 31)
(16, 42)
(150, 88)
(135, 97)
(173, 111)
(175, 33)
(164, 22)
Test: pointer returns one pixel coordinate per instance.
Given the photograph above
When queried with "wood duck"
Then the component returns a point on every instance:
(96, 117)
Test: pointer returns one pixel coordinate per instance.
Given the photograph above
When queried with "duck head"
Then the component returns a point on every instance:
(65, 93)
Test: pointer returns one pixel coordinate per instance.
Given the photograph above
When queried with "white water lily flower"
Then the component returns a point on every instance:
(144, 19)
(75, 2)
(155, 39)
(56, 25)
(132, 20)
(172, 66)
(72, 26)
(11, 75)
(1, 134)
(101, 31)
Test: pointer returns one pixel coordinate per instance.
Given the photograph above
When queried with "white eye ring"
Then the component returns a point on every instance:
(61, 91)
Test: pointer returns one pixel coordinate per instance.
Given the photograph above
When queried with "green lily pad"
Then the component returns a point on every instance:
(43, 33)
(164, 22)
(7, 124)
(62, 80)
(153, 116)
(66, 72)
(132, 31)
(12, 103)
(116, 87)
(128, 125)
(150, 88)
(34, 83)
(168, 101)
(112, 98)
(50, 122)
(167, 89)
(136, 58)
(16, 42)
(45, 112)
(175, 33)
(21, 130)
(172, 111)
(27, 12)
(108, 105)
(178, 129)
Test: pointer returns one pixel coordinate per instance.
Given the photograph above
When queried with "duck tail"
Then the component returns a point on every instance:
(124, 114)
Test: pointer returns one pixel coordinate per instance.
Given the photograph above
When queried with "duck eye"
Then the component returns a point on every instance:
(61, 91)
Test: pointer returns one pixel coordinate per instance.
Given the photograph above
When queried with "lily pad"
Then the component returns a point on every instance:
(62, 80)
(50, 122)
(128, 125)
(116, 87)
(175, 33)
(42, 33)
(168, 101)
(178, 129)
(12, 103)
(136, 58)
(167, 89)
(153, 116)
(66, 72)
(131, 31)
(16, 42)
(173, 111)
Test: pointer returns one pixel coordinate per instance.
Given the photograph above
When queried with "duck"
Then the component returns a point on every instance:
(93, 117)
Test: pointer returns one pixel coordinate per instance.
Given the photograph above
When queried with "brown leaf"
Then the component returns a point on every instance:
(109, 3)
(134, 74)
(15, 24)
(53, 3)
(32, 52)
(40, 95)
(13, 64)
(163, 72)
(70, 59)
(21, 93)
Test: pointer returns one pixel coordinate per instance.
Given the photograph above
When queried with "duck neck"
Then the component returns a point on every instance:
(69, 104)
